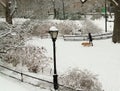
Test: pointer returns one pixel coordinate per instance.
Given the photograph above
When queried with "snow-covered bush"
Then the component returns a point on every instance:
(13, 37)
(3, 26)
(12, 49)
(40, 28)
(89, 27)
(36, 27)
(65, 28)
(78, 79)
(34, 58)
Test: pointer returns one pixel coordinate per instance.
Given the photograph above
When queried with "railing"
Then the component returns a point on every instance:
(33, 80)
(85, 37)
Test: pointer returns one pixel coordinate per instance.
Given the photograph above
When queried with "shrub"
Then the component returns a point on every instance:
(4, 26)
(78, 79)
(32, 57)
(89, 27)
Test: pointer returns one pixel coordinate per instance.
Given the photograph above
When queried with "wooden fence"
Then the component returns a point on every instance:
(85, 37)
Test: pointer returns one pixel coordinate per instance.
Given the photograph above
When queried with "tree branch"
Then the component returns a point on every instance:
(115, 2)
(13, 11)
(14, 8)
(3, 4)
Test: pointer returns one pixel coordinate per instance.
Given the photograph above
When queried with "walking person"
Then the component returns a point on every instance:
(90, 39)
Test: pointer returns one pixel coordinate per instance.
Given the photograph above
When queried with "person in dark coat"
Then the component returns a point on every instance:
(90, 38)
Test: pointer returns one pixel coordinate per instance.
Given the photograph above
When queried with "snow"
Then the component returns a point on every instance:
(101, 23)
(101, 59)
(15, 20)
(7, 84)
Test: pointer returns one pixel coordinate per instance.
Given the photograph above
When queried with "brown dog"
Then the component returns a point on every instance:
(86, 44)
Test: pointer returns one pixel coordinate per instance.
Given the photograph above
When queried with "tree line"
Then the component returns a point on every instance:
(41, 9)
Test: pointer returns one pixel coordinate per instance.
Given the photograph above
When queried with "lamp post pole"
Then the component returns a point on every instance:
(55, 80)
(54, 32)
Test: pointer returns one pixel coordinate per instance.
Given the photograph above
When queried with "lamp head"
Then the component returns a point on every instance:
(83, 1)
(53, 32)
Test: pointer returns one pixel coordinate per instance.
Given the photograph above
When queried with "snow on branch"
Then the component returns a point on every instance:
(2, 3)
(115, 2)
(5, 34)
(14, 7)
(9, 40)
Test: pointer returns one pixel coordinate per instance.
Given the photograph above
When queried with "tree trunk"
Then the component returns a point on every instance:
(116, 32)
(63, 9)
(8, 12)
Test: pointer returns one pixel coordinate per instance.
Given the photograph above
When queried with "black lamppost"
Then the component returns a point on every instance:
(54, 32)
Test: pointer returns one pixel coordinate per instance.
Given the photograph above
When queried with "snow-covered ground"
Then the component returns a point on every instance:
(101, 59)
(8, 84)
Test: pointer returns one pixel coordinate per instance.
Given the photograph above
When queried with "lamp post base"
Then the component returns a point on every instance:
(55, 81)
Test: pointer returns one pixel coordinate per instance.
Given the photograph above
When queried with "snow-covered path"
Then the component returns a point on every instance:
(8, 84)
(101, 59)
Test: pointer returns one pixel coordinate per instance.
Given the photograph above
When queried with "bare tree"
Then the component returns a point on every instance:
(10, 7)
(63, 8)
(116, 32)
(54, 9)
